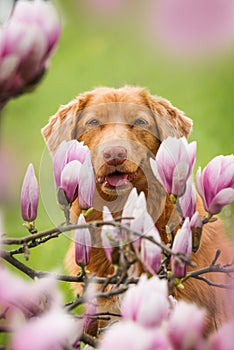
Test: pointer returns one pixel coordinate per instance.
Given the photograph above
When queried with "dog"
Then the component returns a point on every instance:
(123, 128)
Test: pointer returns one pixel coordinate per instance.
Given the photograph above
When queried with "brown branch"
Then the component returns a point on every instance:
(88, 339)
(36, 238)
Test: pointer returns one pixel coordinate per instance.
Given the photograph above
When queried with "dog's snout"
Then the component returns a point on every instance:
(114, 155)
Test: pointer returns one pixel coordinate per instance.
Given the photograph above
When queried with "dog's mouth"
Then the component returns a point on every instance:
(117, 180)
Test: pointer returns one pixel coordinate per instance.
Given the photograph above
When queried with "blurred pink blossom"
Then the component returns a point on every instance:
(174, 163)
(185, 326)
(223, 339)
(54, 329)
(193, 27)
(131, 336)
(30, 297)
(147, 302)
(27, 39)
(215, 184)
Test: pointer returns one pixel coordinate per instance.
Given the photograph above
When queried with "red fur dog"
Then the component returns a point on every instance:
(124, 128)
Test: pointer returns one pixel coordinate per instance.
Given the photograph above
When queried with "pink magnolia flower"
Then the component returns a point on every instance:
(215, 184)
(223, 338)
(146, 303)
(87, 185)
(151, 253)
(54, 329)
(30, 297)
(70, 179)
(67, 152)
(83, 243)
(109, 235)
(29, 195)
(182, 244)
(27, 40)
(131, 336)
(188, 200)
(174, 163)
(185, 326)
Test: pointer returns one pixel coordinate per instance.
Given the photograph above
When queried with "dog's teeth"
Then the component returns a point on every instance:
(100, 179)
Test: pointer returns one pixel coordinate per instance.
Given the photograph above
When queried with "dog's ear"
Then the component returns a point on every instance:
(170, 121)
(61, 125)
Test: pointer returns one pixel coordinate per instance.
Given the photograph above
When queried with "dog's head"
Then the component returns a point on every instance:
(123, 128)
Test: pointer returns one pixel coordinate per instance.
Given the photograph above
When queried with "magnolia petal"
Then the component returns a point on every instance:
(180, 176)
(83, 243)
(59, 161)
(76, 151)
(211, 178)
(86, 184)
(200, 189)
(70, 179)
(159, 174)
(8, 68)
(224, 197)
(188, 200)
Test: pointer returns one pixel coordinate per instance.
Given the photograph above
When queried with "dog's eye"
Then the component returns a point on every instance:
(139, 122)
(94, 122)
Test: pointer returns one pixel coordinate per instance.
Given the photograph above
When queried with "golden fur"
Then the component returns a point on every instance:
(117, 111)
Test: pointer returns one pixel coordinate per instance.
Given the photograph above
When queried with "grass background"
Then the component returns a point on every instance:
(90, 53)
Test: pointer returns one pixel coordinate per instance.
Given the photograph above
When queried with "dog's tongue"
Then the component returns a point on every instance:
(117, 180)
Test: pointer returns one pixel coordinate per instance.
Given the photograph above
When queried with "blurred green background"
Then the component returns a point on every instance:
(96, 51)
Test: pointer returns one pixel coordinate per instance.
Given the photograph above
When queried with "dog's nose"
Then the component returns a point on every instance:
(115, 155)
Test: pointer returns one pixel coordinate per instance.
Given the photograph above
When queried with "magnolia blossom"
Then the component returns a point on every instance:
(215, 184)
(67, 152)
(29, 195)
(151, 253)
(83, 243)
(73, 171)
(109, 235)
(182, 244)
(174, 163)
(129, 335)
(27, 40)
(54, 329)
(30, 297)
(223, 338)
(185, 326)
(147, 302)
